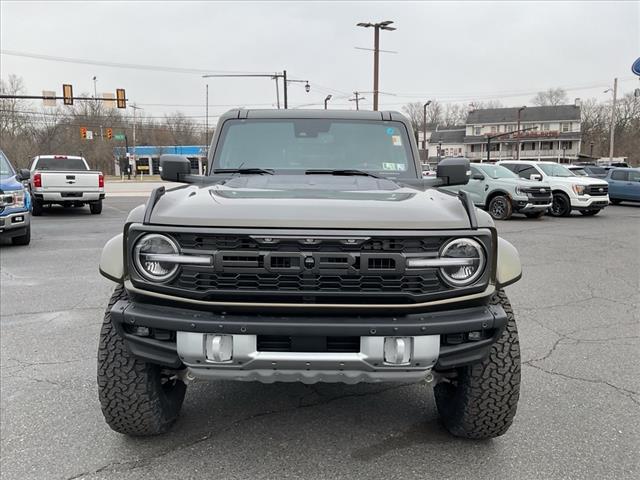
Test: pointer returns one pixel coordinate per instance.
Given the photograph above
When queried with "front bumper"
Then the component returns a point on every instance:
(439, 340)
(14, 224)
(588, 202)
(527, 207)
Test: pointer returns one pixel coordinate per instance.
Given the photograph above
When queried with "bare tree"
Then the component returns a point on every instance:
(553, 96)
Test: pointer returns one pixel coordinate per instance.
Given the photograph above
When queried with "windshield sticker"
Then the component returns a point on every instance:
(401, 167)
(389, 166)
(391, 131)
(397, 140)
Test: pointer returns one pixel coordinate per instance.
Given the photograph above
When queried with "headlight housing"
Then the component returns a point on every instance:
(12, 198)
(471, 259)
(150, 269)
(520, 190)
(579, 189)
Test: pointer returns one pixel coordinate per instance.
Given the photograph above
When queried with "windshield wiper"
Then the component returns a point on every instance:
(248, 171)
(345, 172)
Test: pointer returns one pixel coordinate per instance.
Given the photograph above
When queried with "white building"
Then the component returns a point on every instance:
(552, 133)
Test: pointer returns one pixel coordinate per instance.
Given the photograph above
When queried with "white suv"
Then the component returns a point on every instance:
(570, 192)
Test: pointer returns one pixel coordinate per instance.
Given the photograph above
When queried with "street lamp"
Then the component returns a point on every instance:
(424, 125)
(518, 130)
(376, 52)
(326, 100)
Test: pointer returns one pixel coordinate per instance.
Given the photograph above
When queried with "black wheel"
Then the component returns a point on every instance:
(615, 201)
(534, 214)
(561, 206)
(481, 400)
(137, 398)
(23, 239)
(96, 207)
(500, 208)
(37, 208)
(590, 213)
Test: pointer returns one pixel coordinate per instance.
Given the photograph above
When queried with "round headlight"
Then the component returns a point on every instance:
(468, 261)
(147, 266)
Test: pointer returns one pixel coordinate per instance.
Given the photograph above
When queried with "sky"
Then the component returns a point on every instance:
(444, 51)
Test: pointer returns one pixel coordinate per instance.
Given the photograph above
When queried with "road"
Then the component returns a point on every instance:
(579, 414)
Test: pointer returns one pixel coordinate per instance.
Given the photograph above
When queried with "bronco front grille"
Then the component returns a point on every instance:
(313, 267)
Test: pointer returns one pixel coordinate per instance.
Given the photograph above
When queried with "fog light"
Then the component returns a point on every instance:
(219, 348)
(475, 336)
(397, 350)
(18, 219)
(141, 331)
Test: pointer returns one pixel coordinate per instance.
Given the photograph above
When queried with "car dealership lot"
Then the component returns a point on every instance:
(579, 415)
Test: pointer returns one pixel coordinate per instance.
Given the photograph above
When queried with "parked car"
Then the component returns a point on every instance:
(624, 185)
(588, 171)
(501, 192)
(570, 192)
(321, 255)
(65, 180)
(15, 203)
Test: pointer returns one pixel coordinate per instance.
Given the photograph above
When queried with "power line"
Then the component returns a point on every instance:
(133, 66)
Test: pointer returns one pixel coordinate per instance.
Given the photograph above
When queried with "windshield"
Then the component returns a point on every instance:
(5, 166)
(579, 171)
(290, 145)
(555, 170)
(597, 171)
(60, 164)
(496, 171)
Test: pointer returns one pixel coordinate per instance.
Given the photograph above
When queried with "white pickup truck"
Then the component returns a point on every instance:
(570, 192)
(65, 180)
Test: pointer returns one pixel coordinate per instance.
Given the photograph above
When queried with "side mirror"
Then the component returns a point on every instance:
(174, 168)
(477, 176)
(23, 174)
(535, 176)
(453, 171)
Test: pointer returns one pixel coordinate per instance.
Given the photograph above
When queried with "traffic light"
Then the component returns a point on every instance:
(83, 132)
(67, 94)
(109, 133)
(121, 99)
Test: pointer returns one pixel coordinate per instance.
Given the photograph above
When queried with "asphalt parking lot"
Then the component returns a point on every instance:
(579, 415)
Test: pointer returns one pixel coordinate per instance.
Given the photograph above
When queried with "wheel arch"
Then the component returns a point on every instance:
(494, 194)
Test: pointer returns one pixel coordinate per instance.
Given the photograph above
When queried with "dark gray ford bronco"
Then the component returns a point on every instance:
(314, 251)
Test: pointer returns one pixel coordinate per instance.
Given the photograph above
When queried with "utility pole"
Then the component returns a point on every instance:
(376, 53)
(357, 99)
(277, 92)
(424, 125)
(206, 122)
(135, 109)
(518, 135)
(613, 119)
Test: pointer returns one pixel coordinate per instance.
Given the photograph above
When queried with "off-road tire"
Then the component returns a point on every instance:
(561, 206)
(23, 239)
(481, 401)
(534, 214)
(96, 207)
(500, 207)
(133, 398)
(37, 208)
(590, 213)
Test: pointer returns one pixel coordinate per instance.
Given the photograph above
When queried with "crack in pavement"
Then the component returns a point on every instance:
(141, 463)
(623, 391)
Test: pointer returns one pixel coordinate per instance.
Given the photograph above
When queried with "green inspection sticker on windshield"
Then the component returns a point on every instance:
(396, 140)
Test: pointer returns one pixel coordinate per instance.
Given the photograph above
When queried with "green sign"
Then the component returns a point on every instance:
(119, 136)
